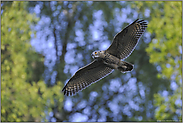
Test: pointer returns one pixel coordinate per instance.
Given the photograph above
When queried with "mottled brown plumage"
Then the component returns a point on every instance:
(106, 61)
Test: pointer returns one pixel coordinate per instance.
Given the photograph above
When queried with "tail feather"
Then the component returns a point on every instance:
(125, 67)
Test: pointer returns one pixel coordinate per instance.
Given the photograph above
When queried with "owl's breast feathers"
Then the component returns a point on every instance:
(114, 62)
(110, 60)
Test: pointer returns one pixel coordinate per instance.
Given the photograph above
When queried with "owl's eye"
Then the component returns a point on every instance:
(95, 53)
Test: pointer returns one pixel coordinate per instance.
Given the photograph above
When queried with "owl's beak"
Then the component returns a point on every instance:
(93, 56)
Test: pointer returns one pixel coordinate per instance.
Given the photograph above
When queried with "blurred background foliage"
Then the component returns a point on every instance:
(44, 43)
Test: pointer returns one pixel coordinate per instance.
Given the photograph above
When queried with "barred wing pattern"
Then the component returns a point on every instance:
(85, 76)
(125, 41)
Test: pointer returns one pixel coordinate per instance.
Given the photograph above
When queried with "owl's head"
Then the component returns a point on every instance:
(97, 54)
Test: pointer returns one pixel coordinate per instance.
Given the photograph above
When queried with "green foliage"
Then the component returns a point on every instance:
(165, 51)
(22, 99)
(164, 48)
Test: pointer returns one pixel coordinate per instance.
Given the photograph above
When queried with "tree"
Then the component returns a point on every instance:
(165, 52)
(24, 95)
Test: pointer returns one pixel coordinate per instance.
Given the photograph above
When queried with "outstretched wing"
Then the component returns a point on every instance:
(85, 76)
(125, 41)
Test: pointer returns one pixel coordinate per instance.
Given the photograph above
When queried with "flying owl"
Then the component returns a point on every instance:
(106, 61)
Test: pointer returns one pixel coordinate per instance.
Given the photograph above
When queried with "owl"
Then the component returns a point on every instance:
(106, 61)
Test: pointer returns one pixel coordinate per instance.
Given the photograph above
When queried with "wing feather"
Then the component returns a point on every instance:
(85, 76)
(125, 41)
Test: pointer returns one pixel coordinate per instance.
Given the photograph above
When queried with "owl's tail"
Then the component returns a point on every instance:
(125, 67)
